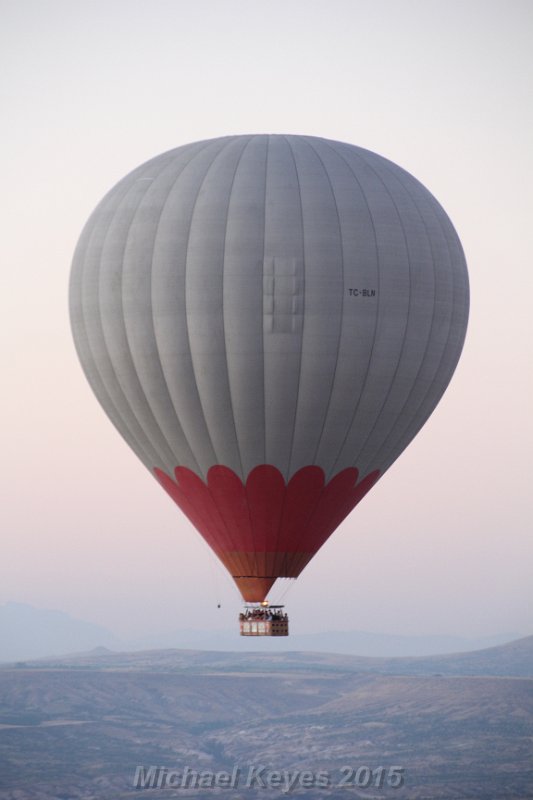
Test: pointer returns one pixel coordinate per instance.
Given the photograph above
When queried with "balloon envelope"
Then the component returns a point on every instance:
(268, 321)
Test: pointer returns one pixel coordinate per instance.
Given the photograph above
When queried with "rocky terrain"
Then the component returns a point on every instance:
(456, 726)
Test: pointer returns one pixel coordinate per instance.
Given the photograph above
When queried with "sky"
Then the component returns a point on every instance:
(443, 544)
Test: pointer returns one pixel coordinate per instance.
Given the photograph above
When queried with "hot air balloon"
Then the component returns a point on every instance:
(268, 321)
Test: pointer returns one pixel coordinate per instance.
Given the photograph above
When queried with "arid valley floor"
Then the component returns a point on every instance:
(460, 726)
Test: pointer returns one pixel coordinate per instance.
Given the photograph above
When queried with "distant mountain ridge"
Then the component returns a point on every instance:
(514, 659)
(349, 642)
(29, 633)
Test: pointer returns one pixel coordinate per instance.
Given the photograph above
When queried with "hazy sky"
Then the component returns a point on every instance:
(443, 544)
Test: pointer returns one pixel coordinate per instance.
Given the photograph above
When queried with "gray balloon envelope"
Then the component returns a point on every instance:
(268, 321)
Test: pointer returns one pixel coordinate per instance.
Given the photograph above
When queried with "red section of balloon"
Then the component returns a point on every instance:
(243, 522)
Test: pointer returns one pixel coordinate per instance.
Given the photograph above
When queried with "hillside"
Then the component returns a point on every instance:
(79, 727)
(514, 659)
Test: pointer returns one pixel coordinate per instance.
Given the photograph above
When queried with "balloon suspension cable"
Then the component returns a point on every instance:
(214, 583)
(217, 569)
(290, 584)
